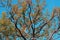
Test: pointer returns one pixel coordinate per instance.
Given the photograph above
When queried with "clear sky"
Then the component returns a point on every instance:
(50, 4)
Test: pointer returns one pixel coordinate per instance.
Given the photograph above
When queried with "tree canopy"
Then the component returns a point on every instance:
(27, 21)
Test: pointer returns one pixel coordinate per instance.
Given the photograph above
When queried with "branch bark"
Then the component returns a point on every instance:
(15, 22)
(41, 27)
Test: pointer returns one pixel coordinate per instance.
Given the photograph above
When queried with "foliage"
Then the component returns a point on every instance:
(26, 20)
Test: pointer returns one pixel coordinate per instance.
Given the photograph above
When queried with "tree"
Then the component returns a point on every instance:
(26, 20)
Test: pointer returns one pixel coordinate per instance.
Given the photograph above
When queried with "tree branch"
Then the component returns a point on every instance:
(41, 27)
(17, 27)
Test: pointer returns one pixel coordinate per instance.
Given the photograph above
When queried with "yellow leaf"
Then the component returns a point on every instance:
(15, 8)
(12, 29)
(3, 15)
(8, 22)
(2, 21)
(19, 13)
(3, 28)
(15, 17)
(24, 5)
(23, 28)
(21, 10)
(52, 15)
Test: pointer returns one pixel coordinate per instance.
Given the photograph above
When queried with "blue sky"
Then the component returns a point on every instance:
(50, 4)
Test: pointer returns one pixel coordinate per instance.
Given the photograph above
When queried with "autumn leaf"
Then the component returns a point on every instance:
(19, 13)
(24, 5)
(15, 17)
(52, 15)
(14, 8)
(3, 15)
(3, 28)
(28, 1)
(3, 22)
(8, 22)
(23, 28)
